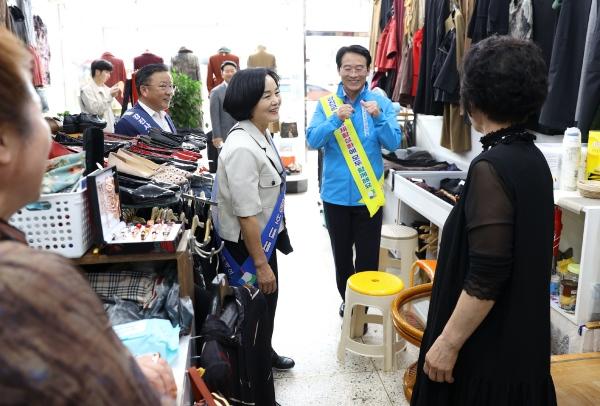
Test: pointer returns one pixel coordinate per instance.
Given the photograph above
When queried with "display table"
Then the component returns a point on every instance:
(182, 256)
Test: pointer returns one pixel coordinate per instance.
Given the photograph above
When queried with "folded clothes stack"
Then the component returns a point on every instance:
(449, 190)
(415, 160)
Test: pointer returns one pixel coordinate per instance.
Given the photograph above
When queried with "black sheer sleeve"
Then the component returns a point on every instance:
(490, 222)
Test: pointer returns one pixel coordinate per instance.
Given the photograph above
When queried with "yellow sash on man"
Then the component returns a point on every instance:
(354, 154)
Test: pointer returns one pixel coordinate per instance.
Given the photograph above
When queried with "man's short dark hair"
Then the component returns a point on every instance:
(230, 63)
(504, 78)
(355, 49)
(101, 65)
(142, 76)
(245, 90)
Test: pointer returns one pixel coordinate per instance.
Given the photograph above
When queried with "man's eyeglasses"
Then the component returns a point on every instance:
(358, 69)
(164, 88)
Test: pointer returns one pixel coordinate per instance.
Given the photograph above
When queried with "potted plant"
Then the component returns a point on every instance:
(186, 105)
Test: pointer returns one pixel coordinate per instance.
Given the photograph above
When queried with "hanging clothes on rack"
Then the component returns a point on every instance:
(490, 17)
(520, 23)
(417, 48)
(545, 19)
(18, 23)
(566, 64)
(402, 90)
(43, 48)
(25, 6)
(406, 20)
(433, 35)
(375, 31)
(589, 87)
(456, 132)
(386, 59)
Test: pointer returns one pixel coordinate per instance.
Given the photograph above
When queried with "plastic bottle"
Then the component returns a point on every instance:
(582, 164)
(571, 155)
(554, 287)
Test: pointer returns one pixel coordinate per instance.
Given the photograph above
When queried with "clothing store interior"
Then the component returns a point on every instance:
(277, 202)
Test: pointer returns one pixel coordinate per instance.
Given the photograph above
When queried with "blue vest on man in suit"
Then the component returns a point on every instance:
(136, 121)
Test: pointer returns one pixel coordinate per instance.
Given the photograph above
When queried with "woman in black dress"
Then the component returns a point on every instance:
(487, 340)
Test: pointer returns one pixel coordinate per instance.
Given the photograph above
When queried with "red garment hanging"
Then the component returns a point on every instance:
(417, 44)
(387, 49)
(36, 68)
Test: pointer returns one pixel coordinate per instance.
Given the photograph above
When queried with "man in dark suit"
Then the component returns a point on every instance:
(213, 77)
(155, 87)
(221, 120)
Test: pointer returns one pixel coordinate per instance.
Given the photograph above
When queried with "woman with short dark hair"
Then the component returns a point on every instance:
(487, 340)
(250, 190)
(97, 98)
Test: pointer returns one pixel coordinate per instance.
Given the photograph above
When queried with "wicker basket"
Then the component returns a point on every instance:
(589, 188)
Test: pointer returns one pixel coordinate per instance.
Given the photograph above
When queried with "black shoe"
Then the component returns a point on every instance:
(148, 195)
(342, 307)
(280, 362)
(90, 120)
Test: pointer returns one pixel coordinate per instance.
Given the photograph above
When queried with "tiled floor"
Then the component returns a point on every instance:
(307, 326)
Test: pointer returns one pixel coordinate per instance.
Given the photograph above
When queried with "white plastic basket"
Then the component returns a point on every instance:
(57, 222)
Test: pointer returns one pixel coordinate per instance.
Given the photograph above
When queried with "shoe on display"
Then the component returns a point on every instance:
(90, 120)
(146, 194)
(133, 182)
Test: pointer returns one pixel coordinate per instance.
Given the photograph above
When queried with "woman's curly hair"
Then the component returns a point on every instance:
(505, 78)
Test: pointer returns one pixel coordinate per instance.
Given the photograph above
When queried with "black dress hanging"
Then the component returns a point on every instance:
(565, 66)
(434, 32)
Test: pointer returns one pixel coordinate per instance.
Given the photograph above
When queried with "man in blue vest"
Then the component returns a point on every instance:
(155, 88)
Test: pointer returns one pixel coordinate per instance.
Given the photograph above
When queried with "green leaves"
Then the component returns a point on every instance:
(186, 105)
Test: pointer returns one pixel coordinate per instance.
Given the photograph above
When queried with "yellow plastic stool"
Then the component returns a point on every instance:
(376, 290)
(374, 283)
